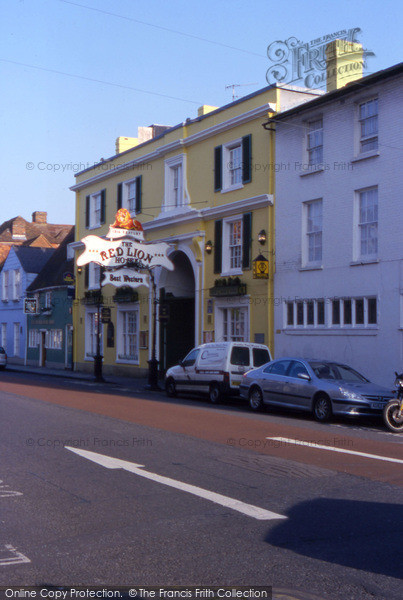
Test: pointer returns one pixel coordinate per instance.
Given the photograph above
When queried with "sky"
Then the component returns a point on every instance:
(75, 75)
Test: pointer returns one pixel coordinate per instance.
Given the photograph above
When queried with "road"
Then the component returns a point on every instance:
(326, 526)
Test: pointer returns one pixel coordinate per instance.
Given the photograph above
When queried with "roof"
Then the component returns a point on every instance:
(33, 259)
(350, 88)
(52, 273)
(52, 232)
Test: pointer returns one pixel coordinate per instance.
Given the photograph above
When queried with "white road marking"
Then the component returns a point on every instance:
(332, 449)
(5, 493)
(115, 463)
(15, 558)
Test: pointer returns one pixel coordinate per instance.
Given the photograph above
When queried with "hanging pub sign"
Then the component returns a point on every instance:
(117, 254)
(125, 277)
(260, 267)
(31, 306)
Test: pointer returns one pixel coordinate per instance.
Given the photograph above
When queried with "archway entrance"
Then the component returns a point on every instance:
(177, 293)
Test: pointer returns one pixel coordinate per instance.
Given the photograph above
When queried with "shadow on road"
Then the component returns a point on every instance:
(360, 535)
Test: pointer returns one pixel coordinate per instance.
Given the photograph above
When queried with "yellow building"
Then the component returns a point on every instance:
(206, 187)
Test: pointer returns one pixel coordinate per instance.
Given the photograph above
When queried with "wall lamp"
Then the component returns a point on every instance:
(262, 237)
(79, 270)
(208, 247)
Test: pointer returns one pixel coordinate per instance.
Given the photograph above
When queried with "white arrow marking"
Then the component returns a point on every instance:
(15, 559)
(314, 445)
(115, 463)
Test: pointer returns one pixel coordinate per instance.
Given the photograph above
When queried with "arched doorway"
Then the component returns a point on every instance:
(177, 295)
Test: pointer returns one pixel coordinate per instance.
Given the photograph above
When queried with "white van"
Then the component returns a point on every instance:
(215, 369)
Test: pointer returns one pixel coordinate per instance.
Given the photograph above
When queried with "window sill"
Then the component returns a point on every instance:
(341, 331)
(128, 361)
(364, 261)
(232, 188)
(96, 226)
(314, 170)
(232, 273)
(311, 268)
(365, 155)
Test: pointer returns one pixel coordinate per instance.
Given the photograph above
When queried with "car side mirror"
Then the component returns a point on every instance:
(304, 376)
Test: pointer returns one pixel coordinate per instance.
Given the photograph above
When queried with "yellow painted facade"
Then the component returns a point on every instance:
(208, 298)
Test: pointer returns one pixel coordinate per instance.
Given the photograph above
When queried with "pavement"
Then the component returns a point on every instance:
(132, 383)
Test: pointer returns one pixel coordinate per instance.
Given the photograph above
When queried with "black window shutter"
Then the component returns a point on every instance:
(247, 159)
(138, 194)
(86, 275)
(246, 240)
(103, 197)
(119, 203)
(218, 247)
(217, 168)
(87, 212)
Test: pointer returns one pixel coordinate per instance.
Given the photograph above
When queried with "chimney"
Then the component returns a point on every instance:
(39, 217)
(205, 109)
(18, 229)
(344, 63)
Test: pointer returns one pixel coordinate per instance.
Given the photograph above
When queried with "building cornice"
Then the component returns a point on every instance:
(255, 113)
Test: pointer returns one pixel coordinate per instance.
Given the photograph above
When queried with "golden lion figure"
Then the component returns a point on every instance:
(123, 220)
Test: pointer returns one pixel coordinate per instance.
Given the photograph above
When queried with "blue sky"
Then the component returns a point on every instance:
(92, 64)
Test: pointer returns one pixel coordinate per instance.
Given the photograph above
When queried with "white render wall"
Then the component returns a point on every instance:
(375, 351)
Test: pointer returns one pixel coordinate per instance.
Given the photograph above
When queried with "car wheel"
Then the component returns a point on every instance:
(215, 394)
(255, 399)
(322, 409)
(170, 388)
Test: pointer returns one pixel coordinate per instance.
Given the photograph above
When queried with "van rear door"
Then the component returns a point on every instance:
(239, 363)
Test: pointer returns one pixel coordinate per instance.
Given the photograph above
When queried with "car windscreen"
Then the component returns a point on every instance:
(337, 372)
(261, 356)
(240, 356)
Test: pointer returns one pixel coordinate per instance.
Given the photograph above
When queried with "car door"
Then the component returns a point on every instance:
(273, 382)
(298, 391)
(187, 379)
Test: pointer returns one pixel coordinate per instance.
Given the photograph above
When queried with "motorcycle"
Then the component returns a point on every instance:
(393, 411)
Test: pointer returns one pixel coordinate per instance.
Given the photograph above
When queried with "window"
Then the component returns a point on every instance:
(297, 369)
(16, 339)
(304, 313)
(175, 197)
(128, 335)
(240, 356)
(3, 335)
(368, 117)
(313, 252)
(33, 338)
(231, 321)
(17, 285)
(315, 142)
(129, 195)
(336, 312)
(95, 210)
(280, 367)
(368, 223)
(190, 359)
(48, 300)
(54, 339)
(260, 357)
(5, 280)
(94, 275)
(232, 245)
(91, 333)
(232, 164)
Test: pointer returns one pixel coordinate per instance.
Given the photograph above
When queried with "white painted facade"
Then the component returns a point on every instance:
(341, 267)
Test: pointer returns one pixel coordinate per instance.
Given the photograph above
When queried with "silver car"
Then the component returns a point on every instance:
(318, 386)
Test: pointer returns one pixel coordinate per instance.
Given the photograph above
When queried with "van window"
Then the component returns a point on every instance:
(190, 358)
(240, 356)
(260, 357)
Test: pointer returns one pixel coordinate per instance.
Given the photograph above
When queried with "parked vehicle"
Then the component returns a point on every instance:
(215, 368)
(3, 358)
(324, 388)
(393, 411)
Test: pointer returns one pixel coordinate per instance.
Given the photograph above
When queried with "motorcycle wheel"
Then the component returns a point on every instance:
(391, 417)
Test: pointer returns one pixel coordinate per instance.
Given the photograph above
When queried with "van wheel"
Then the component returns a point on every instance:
(255, 399)
(170, 388)
(215, 394)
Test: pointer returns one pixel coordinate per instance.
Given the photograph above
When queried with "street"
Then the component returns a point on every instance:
(198, 494)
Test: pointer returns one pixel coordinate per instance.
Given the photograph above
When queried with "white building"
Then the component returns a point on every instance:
(339, 227)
